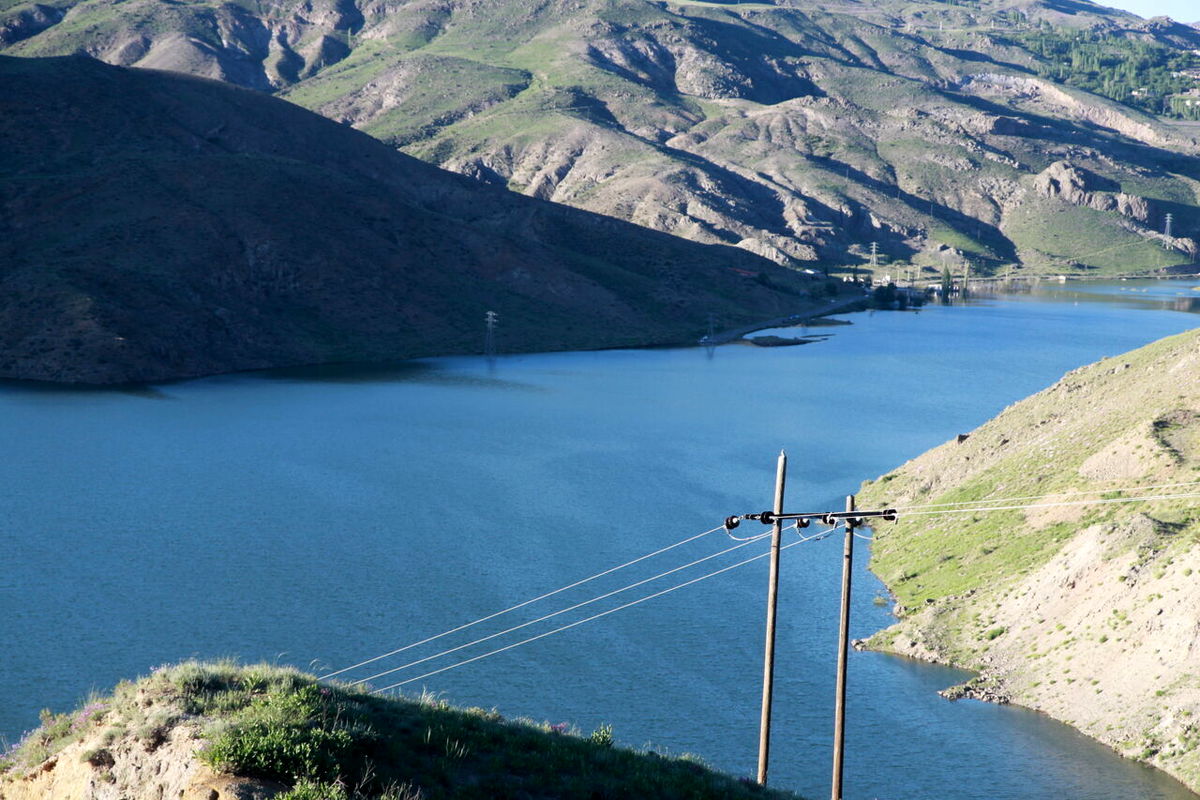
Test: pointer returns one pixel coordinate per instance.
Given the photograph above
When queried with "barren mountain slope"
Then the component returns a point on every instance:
(796, 131)
(1089, 611)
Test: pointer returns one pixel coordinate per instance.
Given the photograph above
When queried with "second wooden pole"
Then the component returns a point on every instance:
(764, 728)
(839, 713)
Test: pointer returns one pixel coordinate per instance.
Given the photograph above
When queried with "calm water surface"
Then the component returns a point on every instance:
(322, 518)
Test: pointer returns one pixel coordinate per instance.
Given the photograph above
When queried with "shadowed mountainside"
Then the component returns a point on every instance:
(156, 226)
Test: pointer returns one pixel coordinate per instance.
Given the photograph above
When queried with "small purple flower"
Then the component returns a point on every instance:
(10, 752)
(560, 727)
(86, 714)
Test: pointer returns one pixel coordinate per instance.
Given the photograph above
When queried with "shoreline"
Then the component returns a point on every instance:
(1087, 616)
(815, 312)
(995, 693)
(789, 321)
(853, 304)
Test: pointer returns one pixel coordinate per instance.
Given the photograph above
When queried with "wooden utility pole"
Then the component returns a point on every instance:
(851, 518)
(839, 714)
(764, 730)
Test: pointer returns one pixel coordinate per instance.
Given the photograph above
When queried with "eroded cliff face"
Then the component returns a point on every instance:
(797, 134)
(144, 747)
(1081, 602)
(129, 768)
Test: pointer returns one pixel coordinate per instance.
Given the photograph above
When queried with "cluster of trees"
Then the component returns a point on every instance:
(1143, 74)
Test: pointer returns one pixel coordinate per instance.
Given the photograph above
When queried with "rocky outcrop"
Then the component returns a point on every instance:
(986, 688)
(99, 768)
(1066, 103)
(1071, 184)
(1079, 187)
(27, 20)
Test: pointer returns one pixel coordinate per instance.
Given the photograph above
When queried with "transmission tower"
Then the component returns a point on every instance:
(489, 337)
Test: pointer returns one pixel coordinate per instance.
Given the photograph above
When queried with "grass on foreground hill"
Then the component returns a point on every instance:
(331, 741)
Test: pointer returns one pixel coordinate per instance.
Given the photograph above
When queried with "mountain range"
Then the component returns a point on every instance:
(995, 134)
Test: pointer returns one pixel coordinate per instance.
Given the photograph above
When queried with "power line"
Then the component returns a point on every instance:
(1099, 501)
(891, 514)
(816, 537)
(852, 517)
(1050, 494)
(932, 510)
(753, 538)
(1140, 240)
(586, 619)
(489, 338)
(560, 590)
(553, 614)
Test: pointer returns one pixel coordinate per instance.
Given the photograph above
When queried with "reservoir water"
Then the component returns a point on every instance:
(323, 517)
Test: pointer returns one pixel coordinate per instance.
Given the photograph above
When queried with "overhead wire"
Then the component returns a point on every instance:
(1097, 501)
(553, 614)
(591, 618)
(520, 605)
(1070, 493)
(930, 509)
(729, 533)
(815, 537)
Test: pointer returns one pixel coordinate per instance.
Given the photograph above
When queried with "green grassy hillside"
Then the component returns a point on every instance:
(222, 730)
(1040, 573)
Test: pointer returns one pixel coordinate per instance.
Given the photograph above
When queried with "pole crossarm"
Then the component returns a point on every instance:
(852, 518)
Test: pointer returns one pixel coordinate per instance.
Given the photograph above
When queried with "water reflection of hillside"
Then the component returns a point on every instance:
(1163, 295)
(1191, 304)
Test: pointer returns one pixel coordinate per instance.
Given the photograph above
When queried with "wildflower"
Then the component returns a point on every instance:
(86, 714)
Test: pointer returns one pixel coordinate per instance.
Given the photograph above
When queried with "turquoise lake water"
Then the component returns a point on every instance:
(321, 517)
